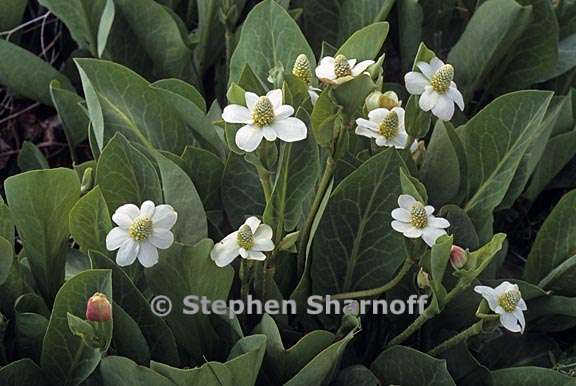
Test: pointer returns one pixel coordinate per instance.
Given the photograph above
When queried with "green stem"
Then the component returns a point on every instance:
(264, 176)
(320, 192)
(473, 330)
(408, 263)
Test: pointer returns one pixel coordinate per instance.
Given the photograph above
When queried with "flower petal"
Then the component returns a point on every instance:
(400, 226)
(164, 217)
(225, 251)
(248, 138)
(522, 305)
(378, 115)
(253, 222)
(122, 220)
(415, 82)
(251, 100)
(436, 63)
(290, 129)
(488, 294)
(366, 123)
(413, 233)
(426, 69)
(429, 235)
(400, 140)
(269, 133)
(352, 62)
(161, 238)
(275, 97)
(438, 222)
(236, 114)
(147, 209)
(263, 245)
(444, 108)
(130, 210)
(429, 209)
(313, 96)
(325, 69)
(263, 232)
(382, 141)
(366, 132)
(283, 111)
(519, 315)
(406, 201)
(428, 99)
(148, 255)
(456, 96)
(127, 253)
(255, 255)
(361, 67)
(401, 214)
(115, 238)
(509, 322)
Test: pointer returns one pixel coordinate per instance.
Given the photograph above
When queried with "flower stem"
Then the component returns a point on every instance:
(408, 263)
(473, 330)
(320, 192)
(265, 182)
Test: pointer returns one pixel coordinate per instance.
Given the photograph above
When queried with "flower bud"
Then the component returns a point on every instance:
(423, 279)
(98, 308)
(458, 257)
(388, 100)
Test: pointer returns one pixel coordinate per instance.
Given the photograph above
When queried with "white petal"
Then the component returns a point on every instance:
(429, 235)
(275, 97)
(263, 232)
(164, 217)
(130, 210)
(161, 238)
(148, 255)
(313, 96)
(456, 96)
(283, 111)
(269, 133)
(429, 209)
(522, 305)
(438, 222)
(263, 245)
(251, 100)
(400, 226)
(426, 69)
(255, 255)
(115, 238)
(400, 140)
(400, 113)
(127, 253)
(325, 69)
(519, 315)
(366, 123)
(382, 141)
(428, 99)
(147, 209)
(236, 114)
(243, 253)
(378, 115)
(225, 251)
(248, 138)
(352, 62)
(436, 63)
(413, 233)
(406, 201)
(444, 108)
(366, 132)
(488, 294)
(401, 214)
(415, 82)
(361, 67)
(253, 222)
(509, 321)
(502, 288)
(122, 220)
(290, 129)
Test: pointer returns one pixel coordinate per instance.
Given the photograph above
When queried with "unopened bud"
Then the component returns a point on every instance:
(87, 181)
(458, 257)
(387, 100)
(423, 279)
(98, 308)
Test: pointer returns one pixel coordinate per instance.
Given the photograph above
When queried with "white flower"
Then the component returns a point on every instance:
(387, 126)
(249, 241)
(141, 232)
(340, 69)
(415, 220)
(438, 91)
(506, 300)
(264, 117)
(313, 93)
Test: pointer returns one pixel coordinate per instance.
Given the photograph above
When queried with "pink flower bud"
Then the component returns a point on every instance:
(98, 308)
(458, 257)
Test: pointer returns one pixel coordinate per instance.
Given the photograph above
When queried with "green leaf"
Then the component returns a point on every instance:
(358, 375)
(105, 26)
(90, 221)
(410, 17)
(461, 227)
(120, 371)
(205, 170)
(480, 259)
(365, 44)
(187, 271)
(270, 38)
(355, 15)
(128, 340)
(500, 23)
(210, 33)
(566, 58)
(326, 119)
(93, 337)
(352, 94)
(554, 243)
(240, 369)
(22, 372)
(281, 364)
(120, 100)
(31, 158)
(355, 248)
(409, 367)
(11, 13)
(125, 175)
(179, 191)
(439, 257)
(160, 339)
(6, 259)
(530, 376)
(242, 194)
(6, 224)
(495, 140)
(73, 115)
(39, 203)
(26, 74)
(65, 358)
